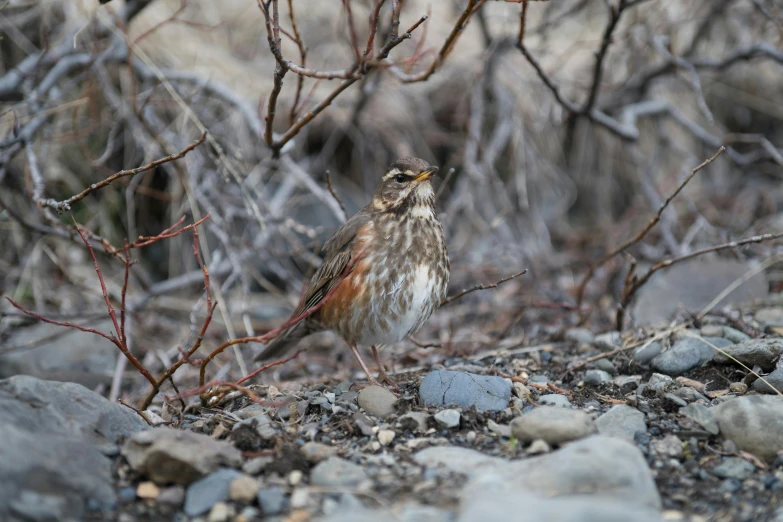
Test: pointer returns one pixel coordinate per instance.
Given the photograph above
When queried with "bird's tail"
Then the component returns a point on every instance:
(287, 340)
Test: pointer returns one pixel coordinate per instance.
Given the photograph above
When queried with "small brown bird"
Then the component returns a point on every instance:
(383, 272)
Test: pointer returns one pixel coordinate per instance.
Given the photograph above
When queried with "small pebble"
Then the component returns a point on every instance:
(537, 447)
(220, 512)
(147, 490)
(739, 388)
(243, 489)
(448, 418)
(385, 437)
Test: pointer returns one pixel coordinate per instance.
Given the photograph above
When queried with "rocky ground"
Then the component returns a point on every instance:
(645, 426)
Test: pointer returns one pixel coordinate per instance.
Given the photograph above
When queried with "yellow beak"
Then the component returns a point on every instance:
(427, 174)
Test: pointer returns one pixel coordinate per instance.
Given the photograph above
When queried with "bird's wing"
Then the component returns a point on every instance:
(338, 253)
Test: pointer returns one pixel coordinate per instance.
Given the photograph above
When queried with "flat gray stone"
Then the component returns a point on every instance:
(734, 468)
(647, 352)
(555, 399)
(754, 423)
(444, 388)
(335, 471)
(597, 377)
(761, 352)
(608, 468)
(687, 354)
(74, 356)
(703, 416)
(54, 440)
(377, 401)
(271, 500)
(406, 513)
(205, 493)
(621, 421)
(771, 384)
(553, 425)
(465, 461)
(576, 508)
(169, 456)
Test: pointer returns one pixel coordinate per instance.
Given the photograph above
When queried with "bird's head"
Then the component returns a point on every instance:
(405, 185)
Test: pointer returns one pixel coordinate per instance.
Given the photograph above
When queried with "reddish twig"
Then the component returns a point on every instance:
(481, 287)
(185, 355)
(267, 366)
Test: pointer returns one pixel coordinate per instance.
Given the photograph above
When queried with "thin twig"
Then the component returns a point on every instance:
(642, 233)
(267, 366)
(335, 195)
(61, 206)
(481, 287)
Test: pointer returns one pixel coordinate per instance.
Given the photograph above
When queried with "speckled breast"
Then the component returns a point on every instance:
(399, 282)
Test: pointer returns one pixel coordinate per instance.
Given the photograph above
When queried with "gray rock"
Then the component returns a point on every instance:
(465, 390)
(621, 421)
(677, 401)
(377, 401)
(734, 468)
(669, 446)
(580, 335)
(761, 352)
(458, 460)
(65, 409)
(576, 508)
(448, 418)
(205, 493)
(647, 352)
(606, 365)
(407, 513)
(687, 354)
(690, 394)
(415, 420)
(734, 335)
(703, 416)
(55, 440)
(553, 425)
(772, 383)
(659, 382)
(337, 472)
(607, 468)
(271, 501)
(50, 477)
(259, 424)
(738, 387)
(597, 377)
(315, 452)
(608, 341)
(73, 356)
(250, 411)
(173, 456)
(691, 286)
(754, 423)
(770, 316)
(555, 399)
(173, 496)
(711, 330)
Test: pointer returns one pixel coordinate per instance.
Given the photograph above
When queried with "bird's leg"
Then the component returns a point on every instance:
(358, 356)
(382, 375)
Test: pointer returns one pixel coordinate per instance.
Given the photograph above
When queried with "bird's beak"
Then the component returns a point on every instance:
(427, 174)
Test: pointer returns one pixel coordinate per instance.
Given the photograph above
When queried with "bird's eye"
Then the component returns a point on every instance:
(400, 178)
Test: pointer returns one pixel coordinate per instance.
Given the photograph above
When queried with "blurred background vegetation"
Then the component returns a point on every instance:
(560, 128)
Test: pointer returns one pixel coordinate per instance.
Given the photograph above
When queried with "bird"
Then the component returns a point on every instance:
(383, 273)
